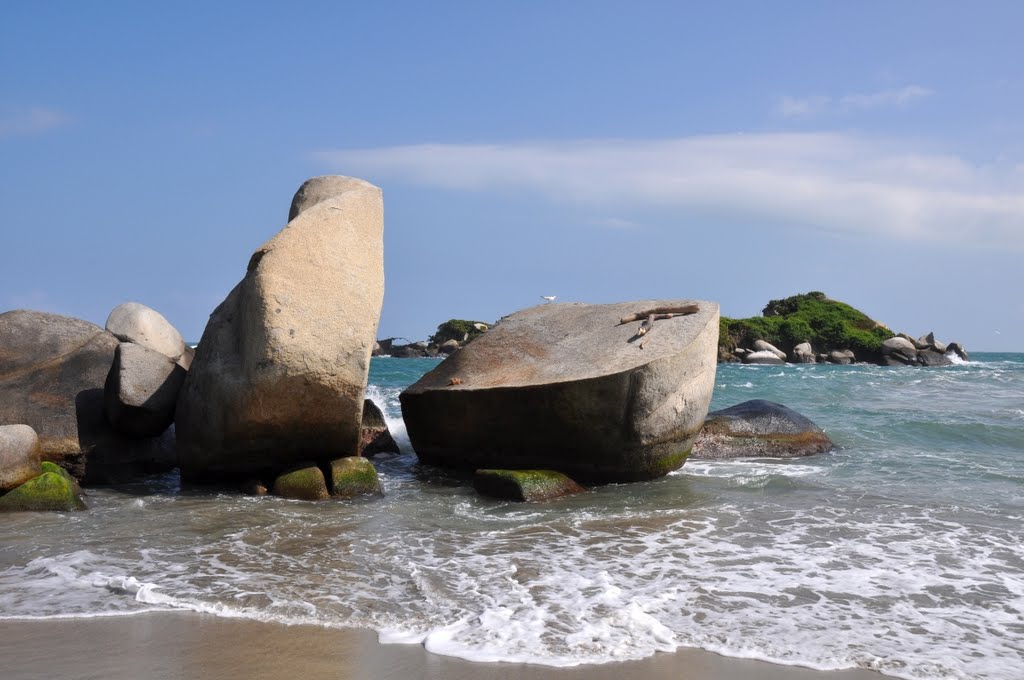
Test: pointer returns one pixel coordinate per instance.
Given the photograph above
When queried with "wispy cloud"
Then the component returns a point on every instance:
(32, 121)
(823, 181)
(816, 105)
(615, 223)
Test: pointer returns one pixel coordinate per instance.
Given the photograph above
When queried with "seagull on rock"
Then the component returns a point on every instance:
(549, 298)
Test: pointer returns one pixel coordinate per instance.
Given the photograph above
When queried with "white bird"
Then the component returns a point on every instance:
(549, 298)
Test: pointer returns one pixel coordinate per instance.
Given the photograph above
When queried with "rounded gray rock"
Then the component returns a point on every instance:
(19, 456)
(141, 390)
(137, 323)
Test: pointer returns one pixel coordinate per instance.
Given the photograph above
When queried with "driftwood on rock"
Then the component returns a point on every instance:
(660, 313)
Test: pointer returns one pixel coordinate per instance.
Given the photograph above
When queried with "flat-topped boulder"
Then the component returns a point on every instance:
(567, 387)
(279, 374)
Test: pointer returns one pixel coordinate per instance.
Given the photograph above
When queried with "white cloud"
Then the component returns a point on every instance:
(615, 223)
(821, 181)
(816, 105)
(20, 123)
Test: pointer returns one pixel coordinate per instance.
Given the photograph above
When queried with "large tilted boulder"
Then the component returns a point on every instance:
(138, 324)
(759, 428)
(563, 387)
(19, 456)
(141, 390)
(52, 371)
(281, 368)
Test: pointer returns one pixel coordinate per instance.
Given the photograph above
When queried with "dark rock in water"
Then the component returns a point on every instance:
(930, 357)
(281, 368)
(305, 482)
(759, 428)
(353, 476)
(524, 485)
(957, 349)
(566, 387)
(19, 456)
(52, 372)
(49, 491)
(375, 438)
(141, 390)
(841, 356)
(253, 487)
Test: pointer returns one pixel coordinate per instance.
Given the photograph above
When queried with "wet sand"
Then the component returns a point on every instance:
(179, 646)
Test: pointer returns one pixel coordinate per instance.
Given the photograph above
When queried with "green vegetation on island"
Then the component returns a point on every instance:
(459, 330)
(811, 317)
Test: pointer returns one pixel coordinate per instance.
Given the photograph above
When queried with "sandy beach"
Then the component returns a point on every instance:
(168, 646)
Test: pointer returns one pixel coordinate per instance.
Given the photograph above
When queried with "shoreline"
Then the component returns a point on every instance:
(185, 645)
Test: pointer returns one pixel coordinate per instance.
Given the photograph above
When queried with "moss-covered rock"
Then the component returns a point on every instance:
(812, 317)
(524, 485)
(49, 491)
(305, 482)
(353, 476)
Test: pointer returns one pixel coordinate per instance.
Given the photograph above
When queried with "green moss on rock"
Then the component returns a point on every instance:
(524, 485)
(50, 491)
(353, 476)
(304, 482)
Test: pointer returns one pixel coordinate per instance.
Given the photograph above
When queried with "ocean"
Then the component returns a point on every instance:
(902, 551)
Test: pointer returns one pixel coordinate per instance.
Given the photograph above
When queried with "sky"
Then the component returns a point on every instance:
(597, 151)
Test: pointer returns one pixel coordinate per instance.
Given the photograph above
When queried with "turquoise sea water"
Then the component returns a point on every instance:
(901, 551)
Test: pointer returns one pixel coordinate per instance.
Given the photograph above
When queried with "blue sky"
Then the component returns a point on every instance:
(598, 151)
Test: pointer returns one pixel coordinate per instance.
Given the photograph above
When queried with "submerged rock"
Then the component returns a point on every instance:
(759, 428)
(304, 482)
(19, 456)
(524, 485)
(565, 387)
(50, 491)
(281, 368)
(353, 476)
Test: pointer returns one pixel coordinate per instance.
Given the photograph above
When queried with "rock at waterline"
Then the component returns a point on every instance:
(49, 491)
(803, 354)
(759, 428)
(353, 476)
(763, 357)
(304, 482)
(141, 390)
(762, 346)
(524, 485)
(138, 324)
(281, 368)
(375, 437)
(51, 378)
(565, 387)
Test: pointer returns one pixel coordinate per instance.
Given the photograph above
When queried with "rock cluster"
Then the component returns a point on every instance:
(903, 350)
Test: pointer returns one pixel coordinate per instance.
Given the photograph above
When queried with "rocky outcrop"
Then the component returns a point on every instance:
(141, 390)
(524, 485)
(759, 428)
(563, 387)
(52, 372)
(375, 436)
(19, 456)
(904, 350)
(281, 368)
(138, 324)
